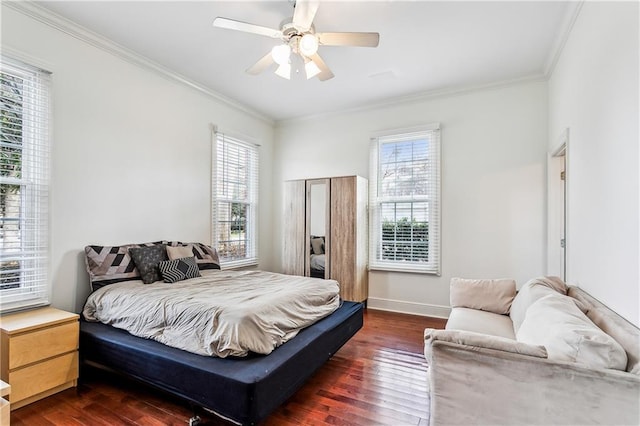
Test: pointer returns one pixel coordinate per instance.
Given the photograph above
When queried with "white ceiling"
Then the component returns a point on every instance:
(424, 46)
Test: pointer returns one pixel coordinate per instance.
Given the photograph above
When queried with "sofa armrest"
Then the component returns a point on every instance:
(478, 340)
(472, 384)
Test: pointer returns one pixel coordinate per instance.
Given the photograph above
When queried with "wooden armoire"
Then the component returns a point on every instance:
(333, 212)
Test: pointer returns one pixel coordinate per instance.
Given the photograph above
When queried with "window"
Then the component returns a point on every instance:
(235, 201)
(404, 205)
(24, 185)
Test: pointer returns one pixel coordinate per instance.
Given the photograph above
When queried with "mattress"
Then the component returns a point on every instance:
(221, 313)
(245, 390)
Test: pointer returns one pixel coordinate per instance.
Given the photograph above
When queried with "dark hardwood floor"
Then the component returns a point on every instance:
(378, 377)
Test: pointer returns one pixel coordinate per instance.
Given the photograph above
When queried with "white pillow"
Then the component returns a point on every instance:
(556, 322)
(533, 290)
(179, 252)
(486, 295)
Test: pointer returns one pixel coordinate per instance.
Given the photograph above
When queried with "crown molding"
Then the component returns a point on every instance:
(47, 17)
(570, 17)
(417, 97)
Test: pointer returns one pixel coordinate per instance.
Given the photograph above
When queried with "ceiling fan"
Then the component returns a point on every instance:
(299, 37)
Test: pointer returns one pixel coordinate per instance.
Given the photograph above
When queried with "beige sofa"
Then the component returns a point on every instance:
(551, 354)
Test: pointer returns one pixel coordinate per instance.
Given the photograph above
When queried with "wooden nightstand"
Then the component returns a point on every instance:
(39, 353)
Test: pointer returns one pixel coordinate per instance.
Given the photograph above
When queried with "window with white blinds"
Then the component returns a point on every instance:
(24, 185)
(235, 201)
(404, 201)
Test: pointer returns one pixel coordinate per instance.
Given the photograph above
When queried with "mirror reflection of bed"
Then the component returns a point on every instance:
(317, 261)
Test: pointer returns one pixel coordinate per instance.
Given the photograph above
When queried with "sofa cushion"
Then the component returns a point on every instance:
(531, 291)
(487, 295)
(480, 322)
(556, 322)
(614, 325)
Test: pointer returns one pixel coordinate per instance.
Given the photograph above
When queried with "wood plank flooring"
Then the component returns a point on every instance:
(377, 378)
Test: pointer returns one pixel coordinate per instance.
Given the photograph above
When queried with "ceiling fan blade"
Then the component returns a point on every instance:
(349, 39)
(304, 12)
(261, 65)
(232, 24)
(325, 72)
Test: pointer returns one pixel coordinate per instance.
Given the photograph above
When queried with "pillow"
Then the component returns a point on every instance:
(180, 252)
(487, 295)
(179, 269)
(111, 264)
(206, 256)
(557, 323)
(533, 290)
(147, 260)
(317, 244)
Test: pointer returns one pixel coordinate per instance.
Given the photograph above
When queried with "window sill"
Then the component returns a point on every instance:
(405, 269)
(238, 264)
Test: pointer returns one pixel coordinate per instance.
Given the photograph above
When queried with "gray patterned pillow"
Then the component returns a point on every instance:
(179, 269)
(147, 260)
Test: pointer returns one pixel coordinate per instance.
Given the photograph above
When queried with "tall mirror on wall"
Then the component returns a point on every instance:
(318, 244)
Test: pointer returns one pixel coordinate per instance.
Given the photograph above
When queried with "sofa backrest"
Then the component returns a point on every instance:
(614, 325)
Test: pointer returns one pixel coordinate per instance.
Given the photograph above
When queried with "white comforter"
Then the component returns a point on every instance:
(223, 313)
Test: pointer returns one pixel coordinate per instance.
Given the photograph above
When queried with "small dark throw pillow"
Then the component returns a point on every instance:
(147, 260)
(179, 269)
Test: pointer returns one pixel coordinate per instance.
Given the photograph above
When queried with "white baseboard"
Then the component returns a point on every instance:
(423, 309)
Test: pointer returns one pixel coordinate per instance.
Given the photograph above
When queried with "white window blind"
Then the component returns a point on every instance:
(404, 201)
(235, 201)
(24, 185)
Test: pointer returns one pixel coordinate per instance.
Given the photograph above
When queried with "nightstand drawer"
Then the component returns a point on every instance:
(42, 344)
(28, 381)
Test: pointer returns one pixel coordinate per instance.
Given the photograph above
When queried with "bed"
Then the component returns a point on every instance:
(241, 385)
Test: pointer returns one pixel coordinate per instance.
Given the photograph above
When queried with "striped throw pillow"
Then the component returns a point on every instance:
(179, 269)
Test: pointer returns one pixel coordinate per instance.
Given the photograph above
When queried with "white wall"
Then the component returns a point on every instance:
(131, 153)
(493, 183)
(593, 91)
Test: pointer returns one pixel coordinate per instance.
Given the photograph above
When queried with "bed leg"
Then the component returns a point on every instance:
(195, 419)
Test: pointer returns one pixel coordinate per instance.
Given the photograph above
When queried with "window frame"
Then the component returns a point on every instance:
(34, 287)
(219, 170)
(432, 196)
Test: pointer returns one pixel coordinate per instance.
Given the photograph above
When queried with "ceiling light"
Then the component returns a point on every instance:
(308, 45)
(281, 54)
(284, 71)
(311, 69)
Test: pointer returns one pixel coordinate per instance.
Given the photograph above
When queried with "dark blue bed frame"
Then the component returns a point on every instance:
(244, 390)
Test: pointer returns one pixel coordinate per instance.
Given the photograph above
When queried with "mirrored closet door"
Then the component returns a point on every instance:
(318, 222)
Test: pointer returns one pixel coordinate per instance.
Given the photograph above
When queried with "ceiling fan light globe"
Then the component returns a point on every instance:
(284, 71)
(281, 54)
(311, 69)
(308, 45)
